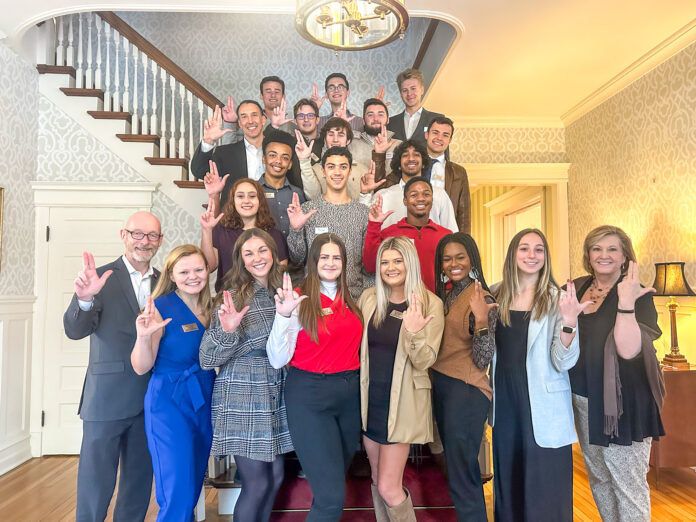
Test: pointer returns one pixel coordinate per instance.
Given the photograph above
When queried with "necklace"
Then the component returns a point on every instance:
(597, 294)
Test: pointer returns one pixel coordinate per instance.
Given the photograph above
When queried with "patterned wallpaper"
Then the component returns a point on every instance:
(66, 152)
(262, 45)
(634, 165)
(508, 145)
(19, 98)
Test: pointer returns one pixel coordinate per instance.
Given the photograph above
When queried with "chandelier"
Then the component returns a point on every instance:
(351, 25)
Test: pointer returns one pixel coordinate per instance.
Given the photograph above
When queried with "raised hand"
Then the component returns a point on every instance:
(208, 219)
(380, 96)
(569, 306)
(413, 319)
(629, 289)
(286, 298)
(212, 182)
(368, 183)
(228, 314)
(298, 219)
(315, 96)
(278, 117)
(88, 283)
(212, 127)
(302, 150)
(478, 304)
(147, 323)
(342, 111)
(228, 112)
(376, 213)
(382, 141)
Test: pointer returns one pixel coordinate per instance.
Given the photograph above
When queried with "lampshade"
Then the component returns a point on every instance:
(670, 280)
(351, 25)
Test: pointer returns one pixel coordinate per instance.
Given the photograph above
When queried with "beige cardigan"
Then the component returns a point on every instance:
(410, 403)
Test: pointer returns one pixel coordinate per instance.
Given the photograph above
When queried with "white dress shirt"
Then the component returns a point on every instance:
(410, 122)
(437, 173)
(254, 164)
(141, 286)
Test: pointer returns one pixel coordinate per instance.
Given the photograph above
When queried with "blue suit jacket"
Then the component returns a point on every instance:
(548, 362)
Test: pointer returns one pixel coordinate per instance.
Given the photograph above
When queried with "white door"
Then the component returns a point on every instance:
(72, 230)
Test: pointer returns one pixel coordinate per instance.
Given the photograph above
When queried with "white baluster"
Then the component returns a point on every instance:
(137, 87)
(107, 66)
(80, 65)
(89, 71)
(171, 121)
(126, 80)
(190, 146)
(154, 124)
(146, 129)
(116, 100)
(182, 122)
(98, 76)
(60, 47)
(70, 51)
(162, 107)
(203, 114)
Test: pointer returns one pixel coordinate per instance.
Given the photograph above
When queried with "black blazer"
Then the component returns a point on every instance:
(112, 390)
(231, 159)
(396, 125)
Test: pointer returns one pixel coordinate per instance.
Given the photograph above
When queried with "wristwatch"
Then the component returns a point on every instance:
(569, 329)
(481, 331)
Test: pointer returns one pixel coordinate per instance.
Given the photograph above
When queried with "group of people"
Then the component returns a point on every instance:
(351, 307)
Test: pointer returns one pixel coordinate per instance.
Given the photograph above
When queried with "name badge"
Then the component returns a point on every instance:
(321, 230)
(269, 195)
(315, 158)
(192, 327)
(326, 311)
(390, 155)
(397, 315)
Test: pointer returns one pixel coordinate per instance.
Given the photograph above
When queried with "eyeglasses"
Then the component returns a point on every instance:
(138, 235)
(309, 116)
(340, 87)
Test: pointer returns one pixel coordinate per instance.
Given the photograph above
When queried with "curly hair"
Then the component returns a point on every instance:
(402, 148)
(233, 220)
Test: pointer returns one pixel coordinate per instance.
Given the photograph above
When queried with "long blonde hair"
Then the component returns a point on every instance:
(165, 285)
(546, 291)
(412, 284)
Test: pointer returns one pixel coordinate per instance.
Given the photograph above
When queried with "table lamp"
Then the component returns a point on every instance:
(670, 282)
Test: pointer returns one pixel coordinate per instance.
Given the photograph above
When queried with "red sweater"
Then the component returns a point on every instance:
(339, 341)
(425, 240)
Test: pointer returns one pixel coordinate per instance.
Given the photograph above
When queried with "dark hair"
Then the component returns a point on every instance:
(472, 251)
(254, 102)
(337, 151)
(336, 123)
(416, 179)
(233, 220)
(276, 136)
(402, 148)
(267, 79)
(309, 313)
(305, 101)
(374, 101)
(442, 120)
(336, 75)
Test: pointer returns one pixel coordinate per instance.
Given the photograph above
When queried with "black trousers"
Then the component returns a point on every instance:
(324, 421)
(461, 411)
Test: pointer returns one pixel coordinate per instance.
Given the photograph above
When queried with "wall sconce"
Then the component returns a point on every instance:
(670, 282)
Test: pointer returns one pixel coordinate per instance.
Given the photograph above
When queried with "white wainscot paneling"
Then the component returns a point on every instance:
(15, 364)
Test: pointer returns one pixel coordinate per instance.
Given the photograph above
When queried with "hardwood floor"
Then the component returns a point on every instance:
(44, 489)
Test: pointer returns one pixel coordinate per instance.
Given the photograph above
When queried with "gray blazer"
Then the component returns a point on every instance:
(112, 390)
(548, 362)
(396, 125)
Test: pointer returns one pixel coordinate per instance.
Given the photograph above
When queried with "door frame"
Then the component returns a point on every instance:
(554, 178)
(136, 196)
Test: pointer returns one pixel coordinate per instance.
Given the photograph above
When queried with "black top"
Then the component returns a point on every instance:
(382, 344)
(641, 417)
(511, 346)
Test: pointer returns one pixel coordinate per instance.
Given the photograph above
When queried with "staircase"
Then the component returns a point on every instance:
(131, 97)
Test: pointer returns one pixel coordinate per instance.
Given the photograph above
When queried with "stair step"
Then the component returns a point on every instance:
(139, 138)
(174, 162)
(56, 69)
(110, 115)
(225, 480)
(76, 91)
(189, 184)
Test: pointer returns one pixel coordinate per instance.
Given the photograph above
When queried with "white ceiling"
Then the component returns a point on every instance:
(513, 60)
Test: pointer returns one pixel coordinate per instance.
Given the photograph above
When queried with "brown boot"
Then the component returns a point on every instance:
(403, 512)
(380, 506)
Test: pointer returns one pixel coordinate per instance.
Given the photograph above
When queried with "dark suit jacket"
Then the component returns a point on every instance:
(231, 159)
(457, 187)
(112, 390)
(396, 125)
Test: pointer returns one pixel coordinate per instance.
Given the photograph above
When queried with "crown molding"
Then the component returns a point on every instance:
(657, 55)
(516, 122)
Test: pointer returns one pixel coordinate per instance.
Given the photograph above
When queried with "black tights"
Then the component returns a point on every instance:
(260, 483)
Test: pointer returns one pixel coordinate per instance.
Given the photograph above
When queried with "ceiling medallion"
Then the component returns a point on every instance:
(351, 25)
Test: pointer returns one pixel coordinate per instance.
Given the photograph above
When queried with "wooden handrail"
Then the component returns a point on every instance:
(160, 58)
(429, 33)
